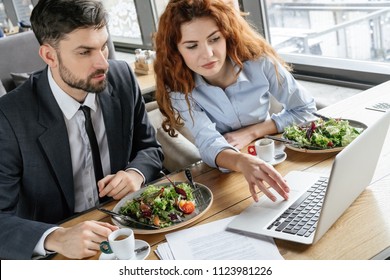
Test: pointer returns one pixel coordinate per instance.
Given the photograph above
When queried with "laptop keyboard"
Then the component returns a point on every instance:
(302, 216)
(381, 106)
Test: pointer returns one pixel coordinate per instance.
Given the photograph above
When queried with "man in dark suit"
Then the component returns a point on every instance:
(46, 165)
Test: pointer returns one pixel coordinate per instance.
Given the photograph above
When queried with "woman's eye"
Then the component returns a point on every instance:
(215, 39)
(190, 47)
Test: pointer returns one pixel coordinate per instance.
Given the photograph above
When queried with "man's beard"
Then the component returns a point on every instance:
(86, 85)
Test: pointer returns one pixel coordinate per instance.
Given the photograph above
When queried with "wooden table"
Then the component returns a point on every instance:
(362, 231)
(147, 83)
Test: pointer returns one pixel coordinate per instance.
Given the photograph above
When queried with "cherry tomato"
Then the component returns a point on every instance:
(186, 206)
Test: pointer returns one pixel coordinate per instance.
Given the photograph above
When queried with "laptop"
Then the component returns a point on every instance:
(316, 201)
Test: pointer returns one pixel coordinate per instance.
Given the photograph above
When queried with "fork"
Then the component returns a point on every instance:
(199, 199)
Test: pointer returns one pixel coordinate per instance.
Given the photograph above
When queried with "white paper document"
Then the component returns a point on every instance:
(164, 252)
(213, 242)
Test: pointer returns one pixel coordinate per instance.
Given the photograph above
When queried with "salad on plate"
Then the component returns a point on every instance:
(324, 134)
(161, 206)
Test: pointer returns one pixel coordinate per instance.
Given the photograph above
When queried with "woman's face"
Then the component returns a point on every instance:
(203, 47)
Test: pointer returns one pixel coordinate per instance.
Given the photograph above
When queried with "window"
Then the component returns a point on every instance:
(3, 18)
(340, 41)
(123, 24)
(23, 9)
(15, 14)
(131, 23)
(352, 31)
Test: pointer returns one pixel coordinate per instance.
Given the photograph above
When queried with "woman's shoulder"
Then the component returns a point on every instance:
(256, 66)
(259, 62)
(264, 64)
(175, 95)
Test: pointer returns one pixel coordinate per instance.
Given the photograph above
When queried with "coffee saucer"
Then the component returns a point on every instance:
(140, 256)
(279, 159)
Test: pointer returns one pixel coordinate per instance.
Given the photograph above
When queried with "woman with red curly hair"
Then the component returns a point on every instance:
(215, 74)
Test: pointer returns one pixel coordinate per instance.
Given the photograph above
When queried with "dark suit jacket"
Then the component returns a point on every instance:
(36, 181)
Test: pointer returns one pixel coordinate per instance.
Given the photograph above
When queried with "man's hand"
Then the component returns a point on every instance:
(80, 241)
(119, 185)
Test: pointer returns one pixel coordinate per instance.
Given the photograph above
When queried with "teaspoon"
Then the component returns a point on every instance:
(279, 156)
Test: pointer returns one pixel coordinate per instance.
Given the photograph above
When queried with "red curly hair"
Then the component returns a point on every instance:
(172, 74)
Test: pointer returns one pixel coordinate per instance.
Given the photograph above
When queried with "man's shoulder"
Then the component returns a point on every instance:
(120, 71)
(117, 64)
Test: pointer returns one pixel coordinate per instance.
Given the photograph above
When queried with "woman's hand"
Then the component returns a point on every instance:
(244, 136)
(257, 173)
(240, 138)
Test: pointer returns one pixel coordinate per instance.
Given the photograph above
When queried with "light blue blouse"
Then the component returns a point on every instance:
(216, 111)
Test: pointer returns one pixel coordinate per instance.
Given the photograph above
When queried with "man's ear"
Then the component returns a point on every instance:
(49, 55)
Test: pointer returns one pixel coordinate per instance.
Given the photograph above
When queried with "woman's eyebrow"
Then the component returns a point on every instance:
(194, 41)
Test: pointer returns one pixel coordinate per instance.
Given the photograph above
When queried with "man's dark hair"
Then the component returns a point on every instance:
(52, 20)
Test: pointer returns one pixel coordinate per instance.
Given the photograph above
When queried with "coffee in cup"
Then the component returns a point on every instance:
(121, 242)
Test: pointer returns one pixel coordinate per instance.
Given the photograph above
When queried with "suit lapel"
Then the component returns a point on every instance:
(54, 141)
(112, 114)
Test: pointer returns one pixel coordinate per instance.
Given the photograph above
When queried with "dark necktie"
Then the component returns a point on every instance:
(97, 164)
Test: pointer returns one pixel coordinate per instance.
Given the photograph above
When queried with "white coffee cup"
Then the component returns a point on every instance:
(121, 242)
(265, 149)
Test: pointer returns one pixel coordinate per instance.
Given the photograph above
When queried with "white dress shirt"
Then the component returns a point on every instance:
(86, 195)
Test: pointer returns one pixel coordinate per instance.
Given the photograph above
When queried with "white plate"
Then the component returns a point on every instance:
(279, 160)
(140, 256)
(206, 192)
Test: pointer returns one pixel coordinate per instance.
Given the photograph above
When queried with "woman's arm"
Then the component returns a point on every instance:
(297, 102)
(242, 137)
